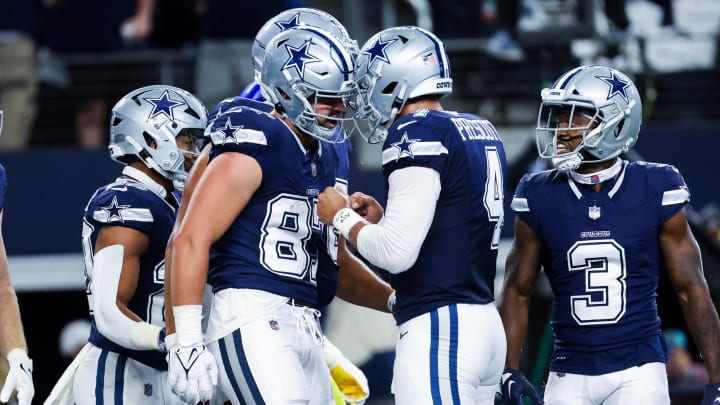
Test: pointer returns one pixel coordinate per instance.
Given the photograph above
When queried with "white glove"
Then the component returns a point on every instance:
(192, 373)
(19, 378)
(350, 380)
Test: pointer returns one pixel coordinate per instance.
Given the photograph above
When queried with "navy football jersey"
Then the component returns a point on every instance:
(274, 243)
(130, 203)
(3, 187)
(602, 257)
(456, 263)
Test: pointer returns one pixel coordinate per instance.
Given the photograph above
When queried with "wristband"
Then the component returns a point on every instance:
(188, 324)
(17, 355)
(145, 336)
(344, 220)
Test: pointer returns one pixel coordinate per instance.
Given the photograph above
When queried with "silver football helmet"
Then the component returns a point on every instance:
(305, 65)
(606, 96)
(298, 17)
(144, 125)
(395, 65)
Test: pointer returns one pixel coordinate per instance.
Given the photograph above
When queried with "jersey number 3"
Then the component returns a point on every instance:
(603, 262)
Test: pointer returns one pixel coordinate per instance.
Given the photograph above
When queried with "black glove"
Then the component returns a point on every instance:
(711, 395)
(515, 386)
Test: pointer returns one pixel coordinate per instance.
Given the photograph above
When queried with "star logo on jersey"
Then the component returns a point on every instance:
(294, 21)
(164, 106)
(299, 57)
(404, 147)
(594, 212)
(377, 50)
(114, 210)
(617, 86)
(228, 131)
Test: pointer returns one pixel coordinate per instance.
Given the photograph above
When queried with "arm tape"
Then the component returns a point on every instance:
(110, 321)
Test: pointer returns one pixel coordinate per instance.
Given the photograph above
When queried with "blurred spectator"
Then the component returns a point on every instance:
(91, 26)
(224, 65)
(18, 80)
(682, 369)
(73, 336)
(176, 23)
(503, 44)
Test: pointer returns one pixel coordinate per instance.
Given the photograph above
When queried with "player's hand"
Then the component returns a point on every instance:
(192, 373)
(711, 395)
(367, 207)
(330, 202)
(515, 386)
(350, 380)
(19, 378)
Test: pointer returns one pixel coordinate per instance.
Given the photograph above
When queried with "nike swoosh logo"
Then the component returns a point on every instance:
(510, 383)
(402, 334)
(119, 188)
(404, 124)
(191, 359)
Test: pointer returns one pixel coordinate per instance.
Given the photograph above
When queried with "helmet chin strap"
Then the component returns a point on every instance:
(568, 161)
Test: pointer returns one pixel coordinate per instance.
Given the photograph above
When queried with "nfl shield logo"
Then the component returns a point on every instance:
(274, 324)
(148, 390)
(313, 169)
(594, 212)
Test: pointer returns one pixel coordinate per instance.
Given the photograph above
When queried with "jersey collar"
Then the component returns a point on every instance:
(143, 178)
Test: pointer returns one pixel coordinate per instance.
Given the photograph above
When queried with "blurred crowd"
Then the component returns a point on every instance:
(61, 50)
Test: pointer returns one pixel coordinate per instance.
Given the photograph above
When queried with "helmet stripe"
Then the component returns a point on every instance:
(440, 51)
(339, 48)
(564, 79)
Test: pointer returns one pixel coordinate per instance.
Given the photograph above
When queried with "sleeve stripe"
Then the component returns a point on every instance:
(519, 204)
(127, 214)
(417, 149)
(239, 136)
(679, 196)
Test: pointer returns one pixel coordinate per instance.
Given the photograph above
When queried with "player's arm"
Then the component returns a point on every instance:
(115, 273)
(358, 284)
(12, 338)
(193, 177)
(682, 257)
(394, 243)
(221, 194)
(521, 270)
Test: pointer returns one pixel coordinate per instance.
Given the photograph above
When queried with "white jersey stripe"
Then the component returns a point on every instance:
(678, 196)
(125, 214)
(519, 204)
(416, 149)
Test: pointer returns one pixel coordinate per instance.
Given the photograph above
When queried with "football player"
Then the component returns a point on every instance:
(357, 284)
(602, 228)
(439, 234)
(12, 338)
(125, 230)
(272, 164)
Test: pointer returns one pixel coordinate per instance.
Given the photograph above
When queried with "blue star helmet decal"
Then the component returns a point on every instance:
(617, 86)
(294, 21)
(299, 57)
(229, 131)
(377, 51)
(404, 147)
(164, 106)
(114, 211)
